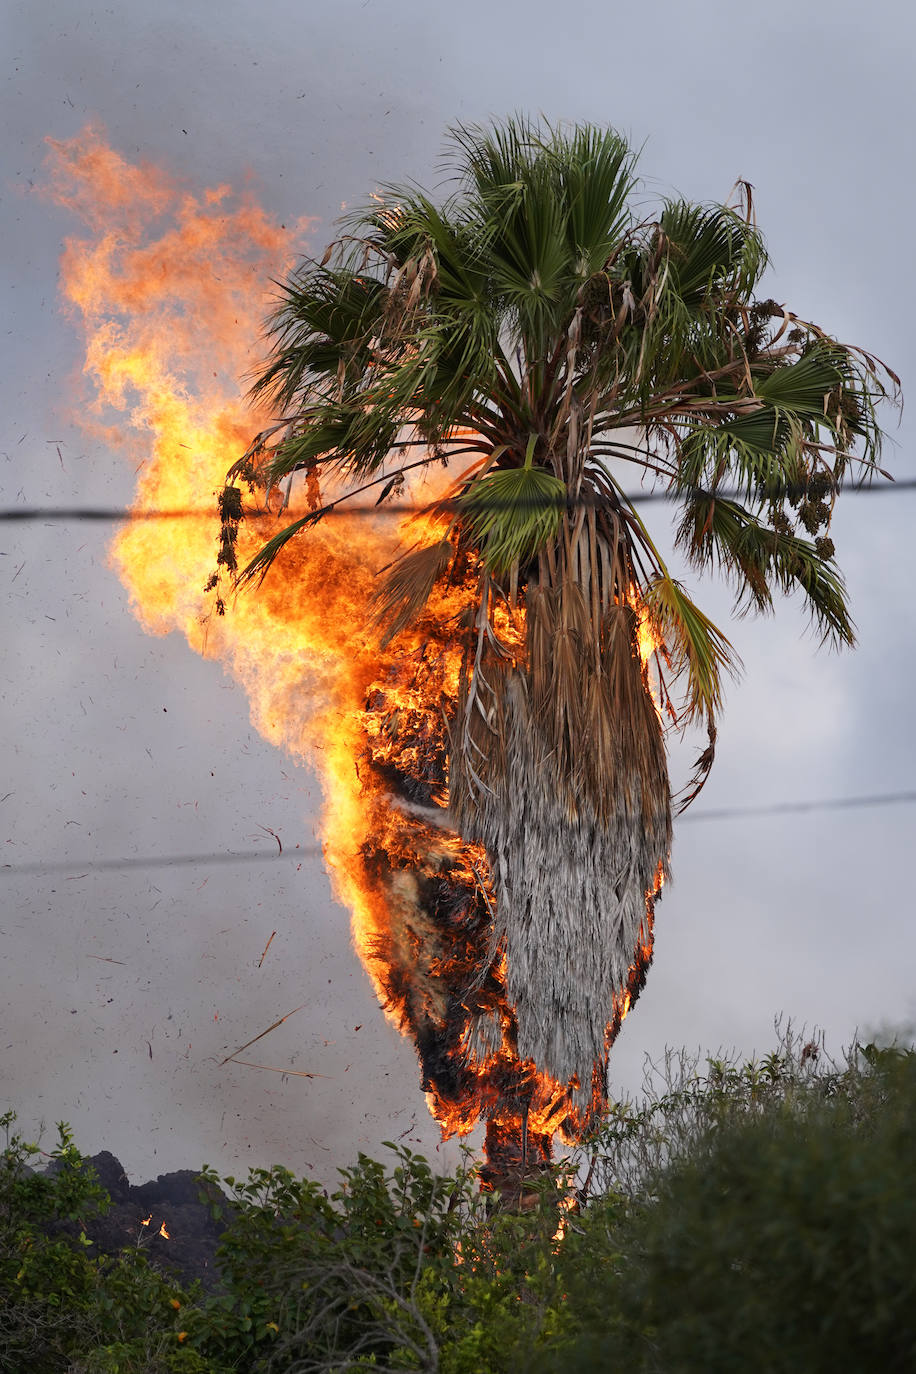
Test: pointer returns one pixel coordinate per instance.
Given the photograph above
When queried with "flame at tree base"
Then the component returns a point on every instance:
(166, 283)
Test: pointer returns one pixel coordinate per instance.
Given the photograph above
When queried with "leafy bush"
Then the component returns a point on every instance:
(60, 1310)
(765, 1220)
(755, 1216)
(787, 1241)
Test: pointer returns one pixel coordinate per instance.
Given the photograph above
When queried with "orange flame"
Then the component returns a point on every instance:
(170, 288)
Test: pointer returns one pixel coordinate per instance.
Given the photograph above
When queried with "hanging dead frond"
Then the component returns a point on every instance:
(408, 585)
(701, 770)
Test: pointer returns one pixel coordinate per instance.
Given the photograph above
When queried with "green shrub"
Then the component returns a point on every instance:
(60, 1310)
(783, 1240)
(752, 1217)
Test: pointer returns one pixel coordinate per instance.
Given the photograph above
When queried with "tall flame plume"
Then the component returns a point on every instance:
(170, 287)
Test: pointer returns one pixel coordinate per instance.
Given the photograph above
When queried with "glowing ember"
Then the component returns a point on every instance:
(170, 288)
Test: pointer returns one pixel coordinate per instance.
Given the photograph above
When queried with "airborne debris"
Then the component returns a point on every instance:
(266, 948)
(272, 1068)
(241, 1048)
(267, 831)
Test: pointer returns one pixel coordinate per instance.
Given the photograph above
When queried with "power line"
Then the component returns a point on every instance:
(110, 514)
(724, 813)
(81, 869)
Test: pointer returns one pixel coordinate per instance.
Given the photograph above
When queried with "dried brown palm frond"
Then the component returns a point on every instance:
(639, 751)
(408, 585)
(558, 641)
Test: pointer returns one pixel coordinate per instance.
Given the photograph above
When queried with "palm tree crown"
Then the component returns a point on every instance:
(542, 324)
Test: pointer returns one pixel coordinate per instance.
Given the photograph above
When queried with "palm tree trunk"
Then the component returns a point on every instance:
(561, 774)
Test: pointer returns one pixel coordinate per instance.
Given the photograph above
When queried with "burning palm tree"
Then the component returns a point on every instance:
(544, 332)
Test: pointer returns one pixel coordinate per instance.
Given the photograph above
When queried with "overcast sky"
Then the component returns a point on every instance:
(118, 743)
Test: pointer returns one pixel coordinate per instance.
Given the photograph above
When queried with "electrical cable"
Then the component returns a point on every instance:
(313, 851)
(156, 861)
(724, 813)
(109, 514)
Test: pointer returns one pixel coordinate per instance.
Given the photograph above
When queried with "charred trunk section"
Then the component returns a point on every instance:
(442, 971)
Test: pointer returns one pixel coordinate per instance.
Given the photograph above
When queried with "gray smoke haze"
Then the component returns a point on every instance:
(118, 744)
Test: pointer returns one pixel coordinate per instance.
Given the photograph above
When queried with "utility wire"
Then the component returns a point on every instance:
(724, 813)
(108, 514)
(78, 869)
(82, 868)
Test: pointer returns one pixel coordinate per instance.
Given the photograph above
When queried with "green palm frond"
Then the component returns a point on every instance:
(708, 251)
(803, 386)
(758, 559)
(357, 438)
(323, 325)
(595, 170)
(510, 513)
(752, 451)
(695, 645)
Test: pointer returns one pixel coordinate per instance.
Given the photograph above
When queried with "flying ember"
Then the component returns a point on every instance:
(170, 287)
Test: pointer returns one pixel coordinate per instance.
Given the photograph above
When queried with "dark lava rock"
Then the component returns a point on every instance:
(111, 1176)
(165, 1218)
